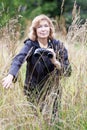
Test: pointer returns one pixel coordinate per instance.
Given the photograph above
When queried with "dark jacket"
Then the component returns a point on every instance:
(39, 68)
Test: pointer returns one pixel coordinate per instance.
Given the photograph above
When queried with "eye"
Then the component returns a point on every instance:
(40, 26)
(46, 25)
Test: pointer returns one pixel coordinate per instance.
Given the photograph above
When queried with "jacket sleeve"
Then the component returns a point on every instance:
(63, 58)
(19, 59)
(66, 67)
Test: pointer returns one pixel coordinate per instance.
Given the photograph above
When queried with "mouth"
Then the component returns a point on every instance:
(43, 33)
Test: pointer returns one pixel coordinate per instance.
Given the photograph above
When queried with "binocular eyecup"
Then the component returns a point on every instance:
(42, 51)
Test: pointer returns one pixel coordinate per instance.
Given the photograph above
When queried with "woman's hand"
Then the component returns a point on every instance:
(54, 60)
(7, 81)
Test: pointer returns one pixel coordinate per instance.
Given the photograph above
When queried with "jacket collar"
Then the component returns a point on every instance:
(36, 43)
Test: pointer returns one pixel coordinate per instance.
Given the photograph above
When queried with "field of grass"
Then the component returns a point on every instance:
(16, 112)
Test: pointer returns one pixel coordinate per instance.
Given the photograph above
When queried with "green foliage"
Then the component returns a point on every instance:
(68, 7)
(28, 9)
(50, 8)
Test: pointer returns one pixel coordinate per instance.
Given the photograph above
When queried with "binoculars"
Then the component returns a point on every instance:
(42, 51)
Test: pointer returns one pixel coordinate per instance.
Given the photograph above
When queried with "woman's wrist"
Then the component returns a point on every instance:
(10, 76)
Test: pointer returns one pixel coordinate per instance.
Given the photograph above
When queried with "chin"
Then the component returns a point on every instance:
(44, 37)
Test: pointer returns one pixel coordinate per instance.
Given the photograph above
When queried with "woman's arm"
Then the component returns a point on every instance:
(54, 60)
(16, 64)
(64, 60)
(60, 58)
(19, 59)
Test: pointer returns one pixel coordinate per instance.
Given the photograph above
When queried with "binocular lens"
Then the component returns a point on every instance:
(50, 55)
(38, 52)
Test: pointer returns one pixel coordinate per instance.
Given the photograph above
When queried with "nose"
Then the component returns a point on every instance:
(43, 28)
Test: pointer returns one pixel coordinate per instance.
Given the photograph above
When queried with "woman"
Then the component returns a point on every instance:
(39, 68)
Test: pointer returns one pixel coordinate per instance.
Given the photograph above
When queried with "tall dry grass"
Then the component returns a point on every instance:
(16, 112)
(73, 112)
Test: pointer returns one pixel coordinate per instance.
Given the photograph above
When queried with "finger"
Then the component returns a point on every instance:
(8, 85)
(3, 79)
(50, 49)
(4, 85)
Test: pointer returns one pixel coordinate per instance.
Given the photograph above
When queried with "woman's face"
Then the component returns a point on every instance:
(43, 29)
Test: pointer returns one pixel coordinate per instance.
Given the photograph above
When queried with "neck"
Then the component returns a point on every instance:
(43, 43)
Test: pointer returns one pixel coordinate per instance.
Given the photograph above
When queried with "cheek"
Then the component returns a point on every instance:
(37, 32)
(49, 30)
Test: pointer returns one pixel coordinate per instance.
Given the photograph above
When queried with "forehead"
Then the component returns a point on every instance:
(43, 22)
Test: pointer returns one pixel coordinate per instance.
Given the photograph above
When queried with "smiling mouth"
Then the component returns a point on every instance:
(43, 33)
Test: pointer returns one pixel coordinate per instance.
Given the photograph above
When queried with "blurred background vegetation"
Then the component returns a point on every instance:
(25, 10)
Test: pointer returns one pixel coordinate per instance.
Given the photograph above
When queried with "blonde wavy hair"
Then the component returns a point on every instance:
(35, 24)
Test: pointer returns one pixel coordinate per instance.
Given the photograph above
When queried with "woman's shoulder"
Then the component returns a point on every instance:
(27, 41)
(57, 42)
(31, 42)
